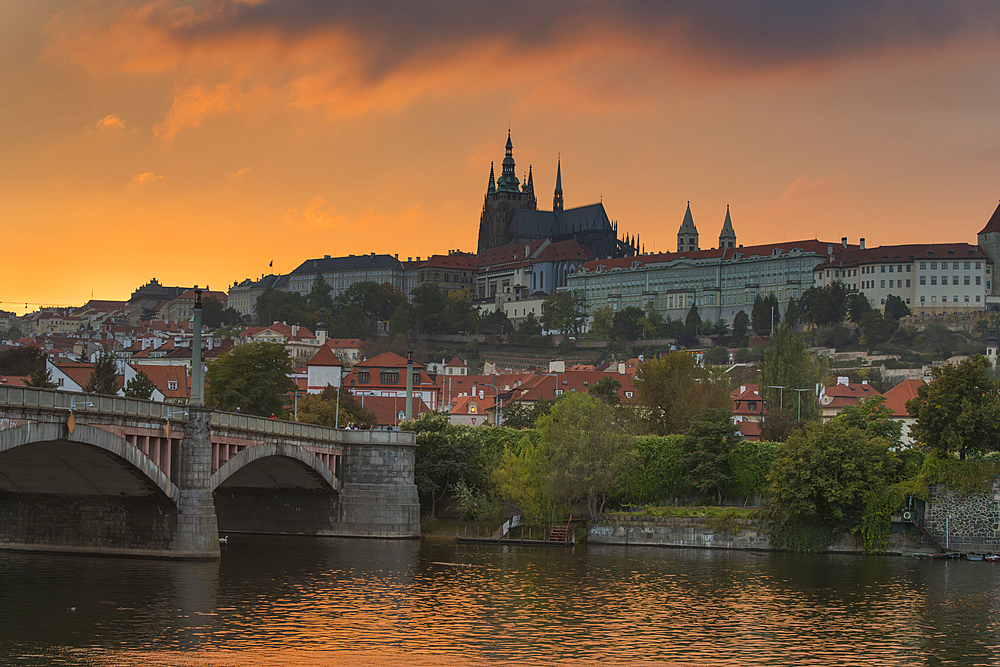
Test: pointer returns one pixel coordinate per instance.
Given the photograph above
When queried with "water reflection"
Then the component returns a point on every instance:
(295, 601)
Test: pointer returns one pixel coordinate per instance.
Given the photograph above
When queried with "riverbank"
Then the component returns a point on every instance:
(719, 533)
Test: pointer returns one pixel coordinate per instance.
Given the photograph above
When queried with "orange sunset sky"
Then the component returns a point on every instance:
(195, 142)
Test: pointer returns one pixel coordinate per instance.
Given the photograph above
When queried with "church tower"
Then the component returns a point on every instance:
(502, 200)
(557, 198)
(727, 237)
(687, 235)
(989, 241)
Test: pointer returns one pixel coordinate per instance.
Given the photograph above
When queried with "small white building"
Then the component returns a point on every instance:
(325, 369)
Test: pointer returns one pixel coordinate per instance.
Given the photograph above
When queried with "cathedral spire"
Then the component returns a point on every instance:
(508, 180)
(491, 188)
(529, 186)
(727, 237)
(687, 235)
(557, 198)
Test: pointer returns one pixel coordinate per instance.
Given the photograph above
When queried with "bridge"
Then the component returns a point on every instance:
(104, 474)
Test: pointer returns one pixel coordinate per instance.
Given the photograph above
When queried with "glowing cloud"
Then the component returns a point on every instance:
(110, 123)
(142, 179)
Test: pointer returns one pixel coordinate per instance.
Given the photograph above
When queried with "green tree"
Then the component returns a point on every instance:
(351, 322)
(705, 452)
(692, 322)
(428, 308)
(460, 316)
(321, 409)
(520, 415)
(401, 321)
(824, 305)
(627, 324)
(651, 323)
(495, 323)
(820, 482)
(741, 323)
(446, 454)
(252, 377)
(603, 323)
(765, 310)
(939, 339)
(787, 364)
(792, 313)
(959, 411)
(606, 390)
(876, 329)
(565, 312)
(140, 386)
(378, 301)
(529, 326)
(277, 306)
(674, 389)
(895, 308)
(21, 360)
(104, 377)
(589, 453)
(857, 306)
(520, 477)
(872, 417)
(717, 355)
(41, 378)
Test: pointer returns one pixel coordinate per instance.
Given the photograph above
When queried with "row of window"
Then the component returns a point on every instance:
(944, 299)
(954, 265)
(385, 377)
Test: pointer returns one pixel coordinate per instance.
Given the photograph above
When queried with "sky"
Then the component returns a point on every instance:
(197, 142)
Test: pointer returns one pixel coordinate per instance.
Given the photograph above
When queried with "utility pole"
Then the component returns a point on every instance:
(409, 385)
(197, 371)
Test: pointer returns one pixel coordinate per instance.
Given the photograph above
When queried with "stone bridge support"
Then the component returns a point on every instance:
(197, 531)
(379, 498)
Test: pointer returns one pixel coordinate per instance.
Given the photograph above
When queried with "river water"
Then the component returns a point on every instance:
(305, 601)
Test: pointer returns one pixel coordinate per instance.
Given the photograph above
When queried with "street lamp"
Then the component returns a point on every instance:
(800, 399)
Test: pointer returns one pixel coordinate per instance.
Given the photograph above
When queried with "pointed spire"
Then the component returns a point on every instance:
(687, 235)
(491, 188)
(508, 180)
(727, 237)
(557, 198)
(529, 185)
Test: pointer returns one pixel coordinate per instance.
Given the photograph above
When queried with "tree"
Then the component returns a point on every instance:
(689, 334)
(765, 310)
(876, 329)
(959, 411)
(446, 454)
(603, 322)
(104, 377)
(705, 452)
(787, 364)
(651, 323)
(824, 305)
(351, 322)
(428, 308)
(41, 378)
(626, 324)
(521, 476)
(565, 312)
(140, 386)
(520, 415)
(460, 316)
(376, 301)
(821, 480)
(717, 355)
(895, 308)
(872, 417)
(741, 323)
(589, 453)
(857, 306)
(792, 313)
(674, 389)
(529, 326)
(21, 360)
(606, 390)
(495, 322)
(401, 320)
(252, 377)
(322, 409)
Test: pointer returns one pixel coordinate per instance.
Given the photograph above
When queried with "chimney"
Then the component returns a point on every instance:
(862, 242)
(295, 330)
(829, 248)
(527, 249)
(843, 242)
(482, 394)
(846, 381)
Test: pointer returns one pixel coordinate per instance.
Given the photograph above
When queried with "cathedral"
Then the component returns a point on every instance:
(510, 215)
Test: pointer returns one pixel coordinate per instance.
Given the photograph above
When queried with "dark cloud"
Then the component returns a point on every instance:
(740, 34)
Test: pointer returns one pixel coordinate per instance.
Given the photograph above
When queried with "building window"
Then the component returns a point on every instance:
(922, 300)
(977, 298)
(933, 280)
(968, 265)
(954, 280)
(907, 282)
(967, 298)
(944, 299)
(933, 265)
(883, 269)
(890, 269)
(628, 394)
(979, 265)
(172, 385)
(908, 268)
(883, 284)
(890, 282)
(923, 265)
(364, 377)
(965, 279)
(979, 280)
(923, 280)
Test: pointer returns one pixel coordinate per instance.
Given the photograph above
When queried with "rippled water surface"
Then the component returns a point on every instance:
(301, 601)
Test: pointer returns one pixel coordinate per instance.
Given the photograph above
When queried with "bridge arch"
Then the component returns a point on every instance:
(292, 466)
(87, 474)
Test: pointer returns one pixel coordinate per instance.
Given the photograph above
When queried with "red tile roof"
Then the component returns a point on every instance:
(896, 398)
(809, 245)
(162, 376)
(385, 360)
(14, 380)
(457, 260)
(993, 225)
(843, 395)
(325, 357)
(387, 408)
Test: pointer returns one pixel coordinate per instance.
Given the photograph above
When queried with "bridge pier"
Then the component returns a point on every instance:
(197, 532)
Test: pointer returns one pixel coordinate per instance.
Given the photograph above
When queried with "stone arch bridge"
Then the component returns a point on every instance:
(105, 474)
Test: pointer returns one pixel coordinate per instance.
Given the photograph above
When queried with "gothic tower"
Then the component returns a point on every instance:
(727, 237)
(502, 200)
(557, 198)
(687, 235)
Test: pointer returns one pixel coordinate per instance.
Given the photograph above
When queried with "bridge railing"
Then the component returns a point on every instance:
(54, 399)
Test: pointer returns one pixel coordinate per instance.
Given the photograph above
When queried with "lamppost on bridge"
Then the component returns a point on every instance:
(197, 371)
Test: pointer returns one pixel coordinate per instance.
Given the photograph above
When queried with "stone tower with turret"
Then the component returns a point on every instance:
(727, 237)
(687, 235)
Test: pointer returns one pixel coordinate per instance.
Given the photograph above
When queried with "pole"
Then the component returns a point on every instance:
(197, 372)
(409, 384)
(772, 321)
(800, 399)
(781, 395)
(336, 420)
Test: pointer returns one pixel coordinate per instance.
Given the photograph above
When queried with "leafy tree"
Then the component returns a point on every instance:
(692, 322)
(529, 326)
(495, 323)
(717, 355)
(318, 299)
(872, 417)
(651, 322)
(857, 306)
(821, 480)
(705, 452)
(21, 360)
(656, 477)
(140, 386)
(104, 377)
(876, 329)
(674, 389)
(741, 323)
(626, 324)
(459, 315)
(377, 301)
(833, 335)
(895, 308)
(428, 308)
(401, 321)
(521, 476)
(41, 378)
(589, 453)
(792, 313)
(252, 377)
(12, 333)
(959, 412)
(322, 409)
(787, 364)
(824, 305)
(606, 390)
(351, 322)
(446, 455)
(603, 323)
(761, 315)
(940, 339)
(520, 415)
(565, 312)
(277, 306)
